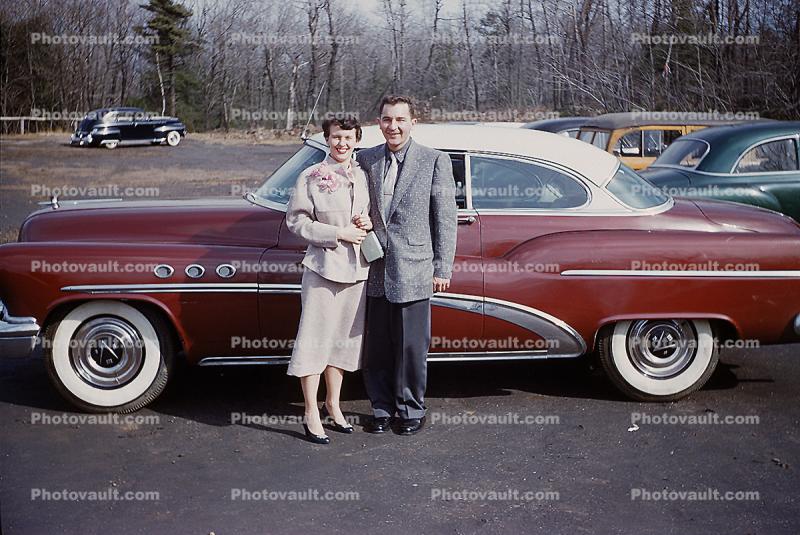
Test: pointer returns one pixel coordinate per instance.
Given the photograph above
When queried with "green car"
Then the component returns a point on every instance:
(754, 163)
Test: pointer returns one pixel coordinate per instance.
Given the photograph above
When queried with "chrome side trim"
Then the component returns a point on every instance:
(468, 180)
(243, 361)
(788, 174)
(682, 273)
(279, 288)
(797, 325)
(432, 357)
(207, 287)
(539, 354)
(569, 342)
(163, 288)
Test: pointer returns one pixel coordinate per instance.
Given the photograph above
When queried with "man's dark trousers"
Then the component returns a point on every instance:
(396, 369)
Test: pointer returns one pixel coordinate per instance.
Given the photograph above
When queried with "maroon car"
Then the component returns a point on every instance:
(561, 252)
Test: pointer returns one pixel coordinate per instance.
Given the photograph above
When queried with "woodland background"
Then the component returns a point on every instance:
(230, 64)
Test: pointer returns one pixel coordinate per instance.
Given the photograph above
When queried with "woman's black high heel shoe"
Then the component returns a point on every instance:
(347, 429)
(316, 439)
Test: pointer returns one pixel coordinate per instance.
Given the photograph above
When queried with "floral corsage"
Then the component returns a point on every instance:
(328, 178)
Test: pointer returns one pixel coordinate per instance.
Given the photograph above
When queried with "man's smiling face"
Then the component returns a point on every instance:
(396, 124)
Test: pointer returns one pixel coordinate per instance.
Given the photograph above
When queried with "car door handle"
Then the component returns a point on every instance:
(466, 220)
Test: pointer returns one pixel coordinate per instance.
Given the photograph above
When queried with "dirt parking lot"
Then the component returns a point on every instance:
(511, 447)
(32, 168)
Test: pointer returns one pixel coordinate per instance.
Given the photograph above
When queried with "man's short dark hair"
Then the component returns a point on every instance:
(398, 99)
(345, 123)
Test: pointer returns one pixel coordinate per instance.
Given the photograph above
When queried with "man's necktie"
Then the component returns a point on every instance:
(388, 185)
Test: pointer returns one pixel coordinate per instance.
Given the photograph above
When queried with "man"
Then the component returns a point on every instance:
(413, 210)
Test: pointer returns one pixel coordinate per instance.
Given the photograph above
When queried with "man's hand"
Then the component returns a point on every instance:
(440, 285)
(363, 222)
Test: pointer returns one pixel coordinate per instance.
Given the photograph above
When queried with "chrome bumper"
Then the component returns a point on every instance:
(80, 140)
(797, 325)
(17, 335)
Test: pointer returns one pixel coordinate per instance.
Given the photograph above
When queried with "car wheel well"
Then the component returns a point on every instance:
(150, 310)
(724, 330)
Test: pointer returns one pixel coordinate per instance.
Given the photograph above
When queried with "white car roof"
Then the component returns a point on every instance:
(583, 158)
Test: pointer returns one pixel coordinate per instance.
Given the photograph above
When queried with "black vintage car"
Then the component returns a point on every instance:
(110, 127)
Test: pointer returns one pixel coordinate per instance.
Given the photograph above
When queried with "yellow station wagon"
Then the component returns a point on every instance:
(638, 138)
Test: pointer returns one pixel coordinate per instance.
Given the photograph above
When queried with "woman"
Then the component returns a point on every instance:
(329, 209)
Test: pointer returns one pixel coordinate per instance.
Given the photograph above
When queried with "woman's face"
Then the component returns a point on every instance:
(341, 143)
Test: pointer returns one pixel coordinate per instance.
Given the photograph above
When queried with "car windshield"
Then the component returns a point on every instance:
(87, 124)
(280, 185)
(634, 191)
(686, 153)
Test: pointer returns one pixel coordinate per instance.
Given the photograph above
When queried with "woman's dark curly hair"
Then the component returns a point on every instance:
(345, 123)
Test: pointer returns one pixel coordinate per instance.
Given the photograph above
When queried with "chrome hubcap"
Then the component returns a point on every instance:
(107, 352)
(661, 348)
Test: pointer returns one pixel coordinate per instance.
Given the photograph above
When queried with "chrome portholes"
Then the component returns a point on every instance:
(163, 271)
(226, 271)
(194, 271)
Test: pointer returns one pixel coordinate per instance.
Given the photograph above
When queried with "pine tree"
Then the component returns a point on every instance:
(168, 26)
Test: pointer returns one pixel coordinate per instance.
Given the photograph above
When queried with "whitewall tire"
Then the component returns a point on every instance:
(107, 356)
(659, 360)
(173, 138)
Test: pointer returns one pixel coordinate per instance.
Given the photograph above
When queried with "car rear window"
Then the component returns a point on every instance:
(634, 191)
(686, 153)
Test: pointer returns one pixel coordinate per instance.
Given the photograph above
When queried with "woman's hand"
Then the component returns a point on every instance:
(363, 222)
(351, 234)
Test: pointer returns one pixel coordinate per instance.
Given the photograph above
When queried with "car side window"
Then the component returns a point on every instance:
(629, 145)
(505, 184)
(653, 143)
(657, 141)
(779, 155)
(459, 174)
(600, 140)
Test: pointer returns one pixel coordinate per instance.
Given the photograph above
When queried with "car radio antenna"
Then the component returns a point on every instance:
(304, 135)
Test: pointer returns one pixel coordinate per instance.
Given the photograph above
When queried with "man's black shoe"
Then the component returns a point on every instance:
(410, 426)
(378, 425)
